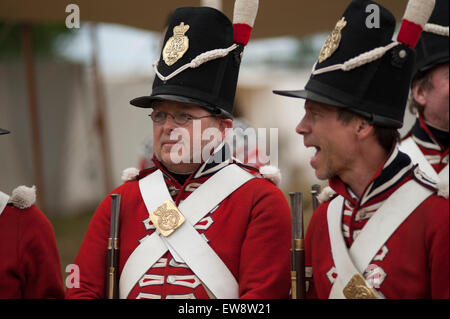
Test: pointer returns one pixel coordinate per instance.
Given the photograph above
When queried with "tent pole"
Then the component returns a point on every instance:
(100, 101)
(30, 78)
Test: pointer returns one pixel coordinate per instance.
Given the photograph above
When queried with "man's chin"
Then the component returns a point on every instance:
(177, 164)
(173, 159)
(181, 168)
(321, 175)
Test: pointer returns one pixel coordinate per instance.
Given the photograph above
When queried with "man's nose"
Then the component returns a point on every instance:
(169, 124)
(302, 127)
(170, 121)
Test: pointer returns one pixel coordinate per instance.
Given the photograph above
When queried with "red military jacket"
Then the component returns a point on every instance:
(29, 259)
(435, 153)
(413, 263)
(249, 231)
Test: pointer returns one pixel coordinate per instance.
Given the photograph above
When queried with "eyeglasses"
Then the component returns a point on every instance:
(179, 118)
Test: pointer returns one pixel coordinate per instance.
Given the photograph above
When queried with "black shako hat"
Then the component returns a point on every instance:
(361, 69)
(433, 46)
(200, 58)
(2, 131)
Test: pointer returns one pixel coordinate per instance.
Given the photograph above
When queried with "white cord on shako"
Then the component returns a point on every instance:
(436, 29)
(196, 62)
(417, 11)
(358, 61)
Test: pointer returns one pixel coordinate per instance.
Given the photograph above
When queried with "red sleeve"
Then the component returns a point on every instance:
(264, 271)
(38, 256)
(91, 258)
(437, 236)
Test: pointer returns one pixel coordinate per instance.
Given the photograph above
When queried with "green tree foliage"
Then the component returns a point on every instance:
(46, 38)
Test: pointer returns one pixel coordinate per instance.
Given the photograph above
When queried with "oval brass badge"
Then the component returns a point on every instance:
(177, 45)
(332, 43)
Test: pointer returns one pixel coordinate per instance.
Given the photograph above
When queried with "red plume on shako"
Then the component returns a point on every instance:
(244, 17)
(416, 16)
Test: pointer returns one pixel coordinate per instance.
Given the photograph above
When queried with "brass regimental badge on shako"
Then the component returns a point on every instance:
(177, 45)
(332, 43)
(167, 218)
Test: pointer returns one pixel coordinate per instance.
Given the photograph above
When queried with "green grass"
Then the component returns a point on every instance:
(69, 233)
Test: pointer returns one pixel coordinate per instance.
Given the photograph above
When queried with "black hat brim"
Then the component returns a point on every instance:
(2, 131)
(309, 95)
(147, 102)
(372, 118)
(431, 65)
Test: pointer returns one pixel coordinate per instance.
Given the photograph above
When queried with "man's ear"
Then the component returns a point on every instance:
(419, 93)
(225, 124)
(363, 129)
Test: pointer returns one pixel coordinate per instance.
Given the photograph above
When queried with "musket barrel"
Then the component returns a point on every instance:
(112, 270)
(115, 208)
(297, 215)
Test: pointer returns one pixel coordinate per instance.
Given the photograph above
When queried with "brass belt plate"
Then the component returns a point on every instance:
(357, 289)
(167, 218)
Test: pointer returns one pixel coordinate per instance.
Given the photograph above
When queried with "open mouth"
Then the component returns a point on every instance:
(317, 151)
(316, 155)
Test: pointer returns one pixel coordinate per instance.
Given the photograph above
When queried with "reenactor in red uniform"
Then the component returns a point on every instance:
(30, 267)
(382, 230)
(208, 229)
(428, 141)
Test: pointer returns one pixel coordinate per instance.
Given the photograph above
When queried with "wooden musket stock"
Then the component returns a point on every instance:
(297, 251)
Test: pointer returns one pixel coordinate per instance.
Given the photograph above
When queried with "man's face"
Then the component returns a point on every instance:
(172, 141)
(435, 98)
(334, 141)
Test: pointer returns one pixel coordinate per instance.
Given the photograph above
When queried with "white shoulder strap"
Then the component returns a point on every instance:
(152, 247)
(375, 233)
(3, 201)
(410, 147)
(386, 220)
(344, 264)
(186, 242)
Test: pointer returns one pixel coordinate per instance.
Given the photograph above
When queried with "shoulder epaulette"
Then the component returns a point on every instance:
(326, 195)
(129, 174)
(133, 174)
(272, 173)
(23, 197)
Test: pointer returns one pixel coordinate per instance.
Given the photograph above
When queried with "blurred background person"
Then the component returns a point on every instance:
(29, 259)
(428, 141)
